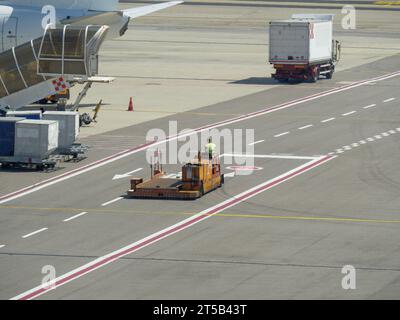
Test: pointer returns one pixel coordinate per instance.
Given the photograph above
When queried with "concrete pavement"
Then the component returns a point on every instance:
(288, 242)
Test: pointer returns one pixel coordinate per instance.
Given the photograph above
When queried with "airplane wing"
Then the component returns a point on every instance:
(111, 17)
(142, 11)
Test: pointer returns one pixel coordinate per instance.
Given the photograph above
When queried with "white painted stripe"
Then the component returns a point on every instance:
(268, 156)
(169, 176)
(111, 201)
(355, 145)
(370, 139)
(369, 106)
(347, 148)
(2, 246)
(362, 142)
(398, 129)
(282, 134)
(339, 151)
(33, 233)
(389, 100)
(257, 142)
(392, 132)
(328, 120)
(306, 127)
(348, 113)
(169, 231)
(126, 153)
(76, 216)
(378, 136)
(385, 134)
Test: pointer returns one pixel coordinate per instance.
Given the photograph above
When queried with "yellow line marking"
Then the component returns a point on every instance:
(310, 218)
(387, 3)
(230, 215)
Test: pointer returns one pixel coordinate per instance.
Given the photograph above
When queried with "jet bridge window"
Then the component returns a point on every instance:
(71, 50)
(10, 74)
(28, 64)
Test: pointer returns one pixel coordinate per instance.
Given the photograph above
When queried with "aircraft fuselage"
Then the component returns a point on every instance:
(21, 24)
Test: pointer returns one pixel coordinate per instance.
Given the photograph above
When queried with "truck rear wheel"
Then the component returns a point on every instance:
(314, 74)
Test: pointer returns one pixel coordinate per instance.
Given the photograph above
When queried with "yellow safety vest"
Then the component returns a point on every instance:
(210, 147)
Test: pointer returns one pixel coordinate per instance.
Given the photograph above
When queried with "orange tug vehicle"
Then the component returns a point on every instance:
(199, 177)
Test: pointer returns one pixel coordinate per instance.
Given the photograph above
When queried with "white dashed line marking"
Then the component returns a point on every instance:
(282, 134)
(2, 246)
(369, 106)
(33, 233)
(306, 127)
(328, 120)
(76, 216)
(389, 100)
(365, 141)
(112, 201)
(348, 113)
(257, 142)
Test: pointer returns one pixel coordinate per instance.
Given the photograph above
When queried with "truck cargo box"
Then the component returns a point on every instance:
(7, 136)
(35, 139)
(30, 115)
(300, 41)
(68, 125)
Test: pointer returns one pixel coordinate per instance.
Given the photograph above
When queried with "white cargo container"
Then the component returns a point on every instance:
(35, 139)
(30, 115)
(68, 125)
(297, 41)
(302, 47)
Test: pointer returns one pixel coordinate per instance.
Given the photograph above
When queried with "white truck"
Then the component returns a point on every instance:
(302, 48)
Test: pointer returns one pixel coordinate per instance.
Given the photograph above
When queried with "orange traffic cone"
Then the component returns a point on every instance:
(130, 108)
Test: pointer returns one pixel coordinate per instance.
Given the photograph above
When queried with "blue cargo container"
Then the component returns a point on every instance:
(7, 136)
(29, 115)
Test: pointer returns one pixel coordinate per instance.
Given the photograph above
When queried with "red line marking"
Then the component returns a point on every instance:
(189, 223)
(214, 125)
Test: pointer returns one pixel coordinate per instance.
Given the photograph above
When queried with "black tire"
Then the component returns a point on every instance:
(202, 189)
(313, 78)
(329, 75)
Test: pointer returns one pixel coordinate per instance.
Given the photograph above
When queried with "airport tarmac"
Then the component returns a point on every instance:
(326, 196)
(193, 56)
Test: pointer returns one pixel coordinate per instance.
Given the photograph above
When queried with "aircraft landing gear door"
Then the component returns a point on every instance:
(9, 33)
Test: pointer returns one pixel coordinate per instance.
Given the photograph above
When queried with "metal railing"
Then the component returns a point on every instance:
(65, 51)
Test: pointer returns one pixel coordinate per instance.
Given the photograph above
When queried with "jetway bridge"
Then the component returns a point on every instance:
(47, 65)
